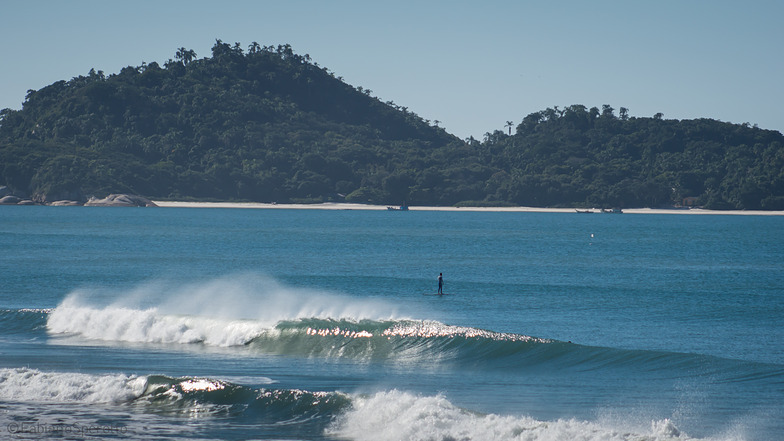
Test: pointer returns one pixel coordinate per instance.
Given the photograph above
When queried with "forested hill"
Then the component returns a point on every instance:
(596, 158)
(266, 124)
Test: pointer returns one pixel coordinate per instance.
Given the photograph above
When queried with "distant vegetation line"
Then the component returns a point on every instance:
(266, 124)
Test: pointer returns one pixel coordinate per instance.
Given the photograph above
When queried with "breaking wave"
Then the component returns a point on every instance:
(163, 394)
(315, 337)
(396, 340)
(385, 415)
(395, 415)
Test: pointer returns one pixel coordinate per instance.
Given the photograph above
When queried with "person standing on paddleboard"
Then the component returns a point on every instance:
(440, 283)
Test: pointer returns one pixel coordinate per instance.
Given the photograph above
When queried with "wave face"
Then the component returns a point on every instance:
(209, 396)
(399, 340)
(23, 321)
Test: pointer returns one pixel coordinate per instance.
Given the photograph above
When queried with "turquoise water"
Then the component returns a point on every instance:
(186, 323)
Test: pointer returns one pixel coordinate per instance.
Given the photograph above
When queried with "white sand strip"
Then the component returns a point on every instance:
(347, 206)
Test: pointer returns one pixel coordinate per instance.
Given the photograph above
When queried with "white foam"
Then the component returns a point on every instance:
(396, 415)
(147, 326)
(31, 385)
(227, 311)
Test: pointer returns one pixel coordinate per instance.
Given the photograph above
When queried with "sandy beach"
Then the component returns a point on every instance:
(349, 206)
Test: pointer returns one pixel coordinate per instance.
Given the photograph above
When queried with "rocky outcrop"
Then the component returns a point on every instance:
(15, 200)
(10, 200)
(66, 204)
(11, 197)
(120, 200)
(113, 200)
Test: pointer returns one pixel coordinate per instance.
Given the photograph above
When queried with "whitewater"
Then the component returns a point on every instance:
(179, 324)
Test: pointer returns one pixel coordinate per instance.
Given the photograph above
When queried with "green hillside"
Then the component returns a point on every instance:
(266, 124)
(592, 157)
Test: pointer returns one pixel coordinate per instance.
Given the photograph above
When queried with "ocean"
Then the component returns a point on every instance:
(241, 324)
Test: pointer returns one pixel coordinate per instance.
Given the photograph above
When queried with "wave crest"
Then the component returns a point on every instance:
(24, 384)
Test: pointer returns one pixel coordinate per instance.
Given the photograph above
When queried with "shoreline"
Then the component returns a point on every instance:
(367, 207)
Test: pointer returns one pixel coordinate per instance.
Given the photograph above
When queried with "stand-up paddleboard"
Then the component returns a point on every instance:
(434, 294)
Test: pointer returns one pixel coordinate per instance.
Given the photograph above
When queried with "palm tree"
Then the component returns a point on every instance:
(185, 55)
(509, 124)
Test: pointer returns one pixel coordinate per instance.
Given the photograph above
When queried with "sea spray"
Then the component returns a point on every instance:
(260, 298)
(240, 296)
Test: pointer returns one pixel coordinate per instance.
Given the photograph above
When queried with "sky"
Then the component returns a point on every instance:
(472, 65)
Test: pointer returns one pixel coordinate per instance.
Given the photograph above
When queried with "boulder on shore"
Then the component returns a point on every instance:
(120, 200)
(65, 203)
(10, 200)
(15, 200)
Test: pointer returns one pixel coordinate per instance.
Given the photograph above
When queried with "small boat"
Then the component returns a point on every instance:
(613, 211)
(400, 208)
(583, 211)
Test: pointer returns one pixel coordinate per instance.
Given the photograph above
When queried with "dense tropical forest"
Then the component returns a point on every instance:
(267, 124)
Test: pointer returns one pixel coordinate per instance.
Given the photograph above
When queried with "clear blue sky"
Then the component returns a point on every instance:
(471, 65)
